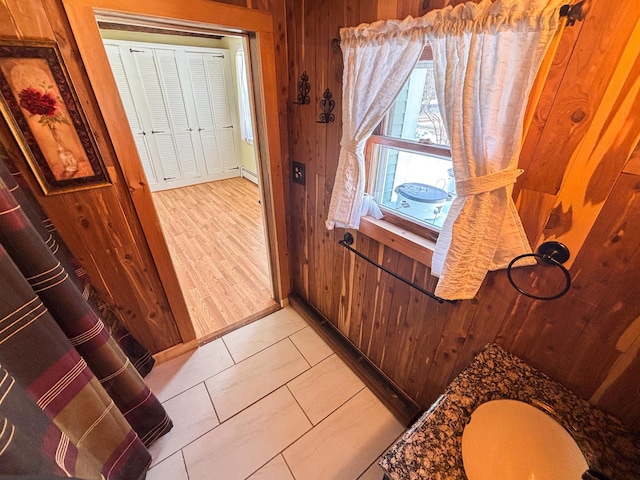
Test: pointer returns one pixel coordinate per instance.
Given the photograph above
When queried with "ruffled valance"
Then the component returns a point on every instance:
(485, 16)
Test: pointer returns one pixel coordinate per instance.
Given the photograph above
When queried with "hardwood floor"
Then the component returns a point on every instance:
(216, 239)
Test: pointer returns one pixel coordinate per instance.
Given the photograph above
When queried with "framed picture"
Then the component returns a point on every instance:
(45, 116)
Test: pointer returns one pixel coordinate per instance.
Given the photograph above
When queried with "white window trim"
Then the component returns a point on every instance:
(419, 247)
(377, 170)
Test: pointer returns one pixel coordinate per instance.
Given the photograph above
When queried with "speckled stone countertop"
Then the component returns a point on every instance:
(431, 448)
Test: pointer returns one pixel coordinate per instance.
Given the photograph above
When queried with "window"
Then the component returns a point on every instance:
(412, 176)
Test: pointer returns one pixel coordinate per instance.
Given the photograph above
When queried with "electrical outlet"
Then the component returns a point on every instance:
(298, 173)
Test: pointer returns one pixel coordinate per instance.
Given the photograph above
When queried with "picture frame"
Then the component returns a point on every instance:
(42, 109)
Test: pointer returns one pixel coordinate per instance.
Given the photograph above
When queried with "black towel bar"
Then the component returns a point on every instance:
(347, 241)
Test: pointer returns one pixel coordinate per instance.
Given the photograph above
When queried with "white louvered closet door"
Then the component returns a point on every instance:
(157, 119)
(135, 121)
(204, 113)
(175, 97)
(210, 83)
(166, 108)
(176, 100)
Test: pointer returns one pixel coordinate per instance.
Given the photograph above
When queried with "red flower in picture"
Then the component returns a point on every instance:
(37, 102)
(43, 103)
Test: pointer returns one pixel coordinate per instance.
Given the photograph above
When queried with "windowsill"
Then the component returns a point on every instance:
(410, 244)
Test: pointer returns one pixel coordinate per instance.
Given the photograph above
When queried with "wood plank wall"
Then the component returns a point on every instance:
(575, 189)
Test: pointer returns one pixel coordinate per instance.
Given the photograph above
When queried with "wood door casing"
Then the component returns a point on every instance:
(81, 18)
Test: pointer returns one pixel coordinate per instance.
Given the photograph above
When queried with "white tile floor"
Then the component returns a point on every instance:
(270, 401)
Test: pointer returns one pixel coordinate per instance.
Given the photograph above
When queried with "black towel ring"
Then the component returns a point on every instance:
(553, 253)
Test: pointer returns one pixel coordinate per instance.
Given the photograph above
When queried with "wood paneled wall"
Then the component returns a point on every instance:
(577, 189)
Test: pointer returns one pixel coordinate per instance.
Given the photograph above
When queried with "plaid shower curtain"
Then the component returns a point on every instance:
(71, 402)
(15, 182)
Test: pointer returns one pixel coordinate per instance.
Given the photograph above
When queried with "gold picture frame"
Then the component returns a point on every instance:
(43, 111)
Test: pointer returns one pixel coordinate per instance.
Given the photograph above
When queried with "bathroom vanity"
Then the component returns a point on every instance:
(432, 447)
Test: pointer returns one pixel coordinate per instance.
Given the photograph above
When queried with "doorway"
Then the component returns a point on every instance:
(187, 100)
(200, 17)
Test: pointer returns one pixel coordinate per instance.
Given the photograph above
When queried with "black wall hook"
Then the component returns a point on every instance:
(303, 90)
(327, 104)
(574, 12)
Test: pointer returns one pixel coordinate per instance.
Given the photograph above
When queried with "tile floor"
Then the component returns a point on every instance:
(270, 401)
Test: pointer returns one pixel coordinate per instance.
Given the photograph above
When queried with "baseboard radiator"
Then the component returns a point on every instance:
(249, 175)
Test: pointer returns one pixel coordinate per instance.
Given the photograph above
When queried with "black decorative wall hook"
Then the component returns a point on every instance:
(303, 90)
(327, 105)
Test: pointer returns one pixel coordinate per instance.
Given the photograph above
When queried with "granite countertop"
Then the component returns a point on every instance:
(431, 448)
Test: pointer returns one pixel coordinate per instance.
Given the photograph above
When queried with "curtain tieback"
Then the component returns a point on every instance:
(353, 146)
(487, 183)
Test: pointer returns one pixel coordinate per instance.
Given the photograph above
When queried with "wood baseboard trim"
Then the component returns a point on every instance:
(398, 402)
(245, 321)
(175, 351)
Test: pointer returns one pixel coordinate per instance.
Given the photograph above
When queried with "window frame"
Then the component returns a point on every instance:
(372, 158)
(372, 161)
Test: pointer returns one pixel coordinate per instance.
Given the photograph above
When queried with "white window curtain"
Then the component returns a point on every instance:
(378, 59)
(486, 56)
(246, 121)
